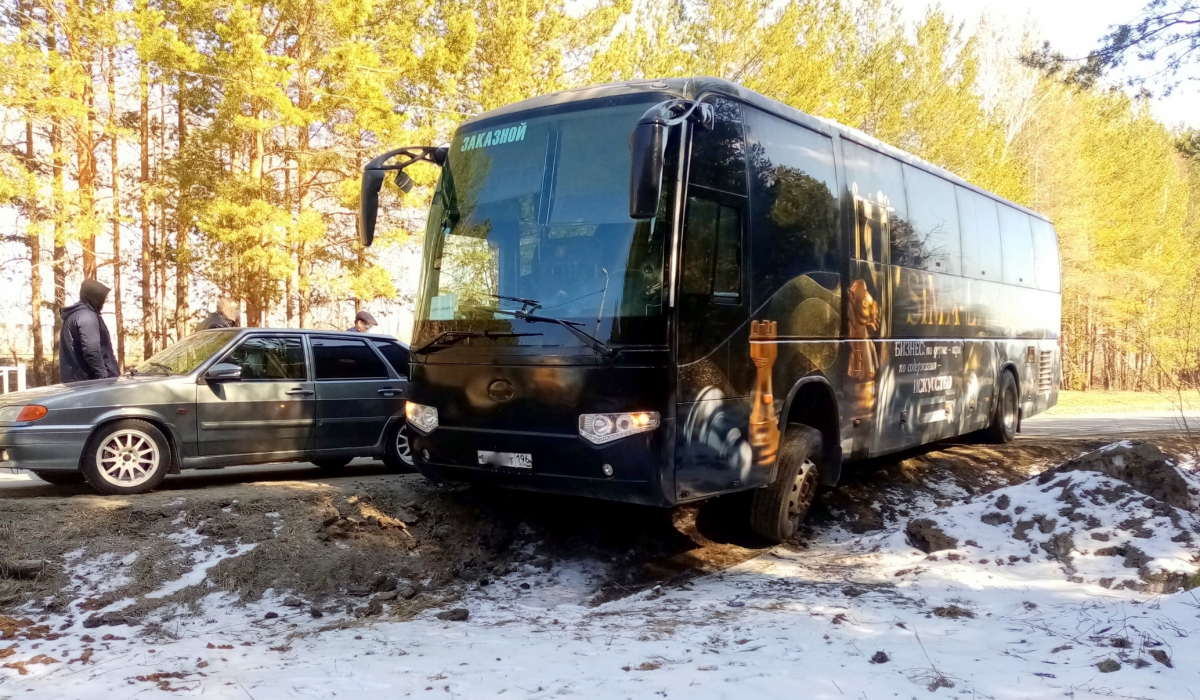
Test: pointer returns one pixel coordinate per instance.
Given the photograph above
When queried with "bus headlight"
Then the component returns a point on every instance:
(600, 428)
(423, 418)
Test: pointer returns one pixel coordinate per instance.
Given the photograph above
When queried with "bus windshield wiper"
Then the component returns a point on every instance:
(447, 338)
(573, 326)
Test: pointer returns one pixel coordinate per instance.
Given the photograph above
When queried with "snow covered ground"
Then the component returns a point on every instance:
(977, 621)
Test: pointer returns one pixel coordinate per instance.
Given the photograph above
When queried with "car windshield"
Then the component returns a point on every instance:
(187, 354)
(536, 207)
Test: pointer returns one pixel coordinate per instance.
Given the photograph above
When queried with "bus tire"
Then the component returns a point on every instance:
(777, 510)
(1004, 417)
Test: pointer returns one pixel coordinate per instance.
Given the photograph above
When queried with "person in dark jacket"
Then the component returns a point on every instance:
(225, 316)
(84, 349)
(363, 322)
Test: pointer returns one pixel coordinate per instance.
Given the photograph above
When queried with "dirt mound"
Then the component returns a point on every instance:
(1143, 466)
(1083, 516)
(363, 546)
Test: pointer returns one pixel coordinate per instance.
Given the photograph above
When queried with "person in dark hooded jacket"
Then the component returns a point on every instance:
(225, 316)
(85, 350)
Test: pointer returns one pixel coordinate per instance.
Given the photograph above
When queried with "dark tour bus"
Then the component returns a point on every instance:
(663, 291)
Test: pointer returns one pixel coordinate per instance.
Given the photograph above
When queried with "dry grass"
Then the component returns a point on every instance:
(1072, 403)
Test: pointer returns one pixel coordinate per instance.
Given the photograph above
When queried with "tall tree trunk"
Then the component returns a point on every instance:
(183, 224)
(116, 201)
(147, 299)
(164, 328)
(304, 199)
(33, 239)
(78, 13)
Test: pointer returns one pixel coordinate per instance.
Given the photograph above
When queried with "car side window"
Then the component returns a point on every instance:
(395, 354)
(270, 358)
(337, 358)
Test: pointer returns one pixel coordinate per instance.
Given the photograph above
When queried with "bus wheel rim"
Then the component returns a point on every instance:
(804, 489)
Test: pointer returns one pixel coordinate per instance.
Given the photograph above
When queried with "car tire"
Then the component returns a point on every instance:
(331, 465)
(60, 478)
(126, 457)
(1004, 416)
(397, 452)
(776, 511)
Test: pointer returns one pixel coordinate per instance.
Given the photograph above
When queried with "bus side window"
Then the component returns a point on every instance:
(981, 251)
(1016, 237)
(793, 212)
(1045, 255)
(881, 209)
(933, 241)
(719, 156)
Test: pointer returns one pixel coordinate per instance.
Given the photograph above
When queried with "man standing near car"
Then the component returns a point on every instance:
(363, 322)
(85, 349)
(226, 316)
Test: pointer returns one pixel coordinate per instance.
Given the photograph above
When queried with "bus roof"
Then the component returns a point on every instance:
(692, 87)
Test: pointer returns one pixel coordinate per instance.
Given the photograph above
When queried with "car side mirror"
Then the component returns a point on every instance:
(223, 372)
(645, 176)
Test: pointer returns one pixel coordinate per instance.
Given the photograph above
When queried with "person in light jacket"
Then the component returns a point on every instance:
(84, 348)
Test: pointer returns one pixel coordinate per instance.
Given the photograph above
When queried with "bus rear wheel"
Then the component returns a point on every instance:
(1004, 420)
(777, 510)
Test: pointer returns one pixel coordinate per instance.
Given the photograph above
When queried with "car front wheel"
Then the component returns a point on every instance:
(126, 457)
(397, 453)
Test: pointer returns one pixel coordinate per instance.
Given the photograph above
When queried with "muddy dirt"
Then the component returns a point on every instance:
(373, 543)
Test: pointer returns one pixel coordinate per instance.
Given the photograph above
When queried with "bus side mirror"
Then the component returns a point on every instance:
(368, 207)
(645, 176)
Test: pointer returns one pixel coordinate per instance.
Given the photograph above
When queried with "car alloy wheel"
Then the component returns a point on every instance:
(403, 449)
(128, 458)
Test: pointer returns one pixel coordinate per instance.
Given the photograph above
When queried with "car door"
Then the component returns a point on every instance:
(356, 392)
(271, 409)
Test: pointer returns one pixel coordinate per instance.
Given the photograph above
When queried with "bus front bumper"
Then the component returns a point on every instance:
(640, 465)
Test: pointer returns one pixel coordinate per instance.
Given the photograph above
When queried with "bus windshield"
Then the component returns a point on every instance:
(537, 208)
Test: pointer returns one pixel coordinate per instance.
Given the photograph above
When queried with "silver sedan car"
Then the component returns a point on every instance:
(217, 398)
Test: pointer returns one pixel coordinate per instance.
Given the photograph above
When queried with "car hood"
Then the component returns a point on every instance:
(44, 393)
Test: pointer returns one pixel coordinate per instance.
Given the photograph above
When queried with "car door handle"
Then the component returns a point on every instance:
(299, 392)
(389, 391)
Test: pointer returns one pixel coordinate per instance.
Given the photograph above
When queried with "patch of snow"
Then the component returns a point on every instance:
(203, 561)
(1101, 533)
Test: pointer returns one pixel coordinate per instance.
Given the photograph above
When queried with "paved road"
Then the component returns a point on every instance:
(1104, 424)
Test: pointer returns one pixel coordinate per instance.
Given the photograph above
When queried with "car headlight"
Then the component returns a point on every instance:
(600, 428)
(423, 418)
(10, 414)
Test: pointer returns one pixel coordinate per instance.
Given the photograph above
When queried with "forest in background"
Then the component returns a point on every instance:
(179, 149)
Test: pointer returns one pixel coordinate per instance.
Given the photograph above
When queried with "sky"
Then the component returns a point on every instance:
(1072, 27)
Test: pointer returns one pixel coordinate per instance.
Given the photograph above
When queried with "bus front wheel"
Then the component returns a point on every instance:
(777, 510)
(1004, 421)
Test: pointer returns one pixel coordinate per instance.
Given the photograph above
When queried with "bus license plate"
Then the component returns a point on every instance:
(513, 460)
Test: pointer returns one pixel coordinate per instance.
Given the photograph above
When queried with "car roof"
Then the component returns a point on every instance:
(308, 331)
(690, 88)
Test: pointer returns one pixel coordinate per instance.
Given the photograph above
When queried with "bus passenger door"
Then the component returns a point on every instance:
(715, 371)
